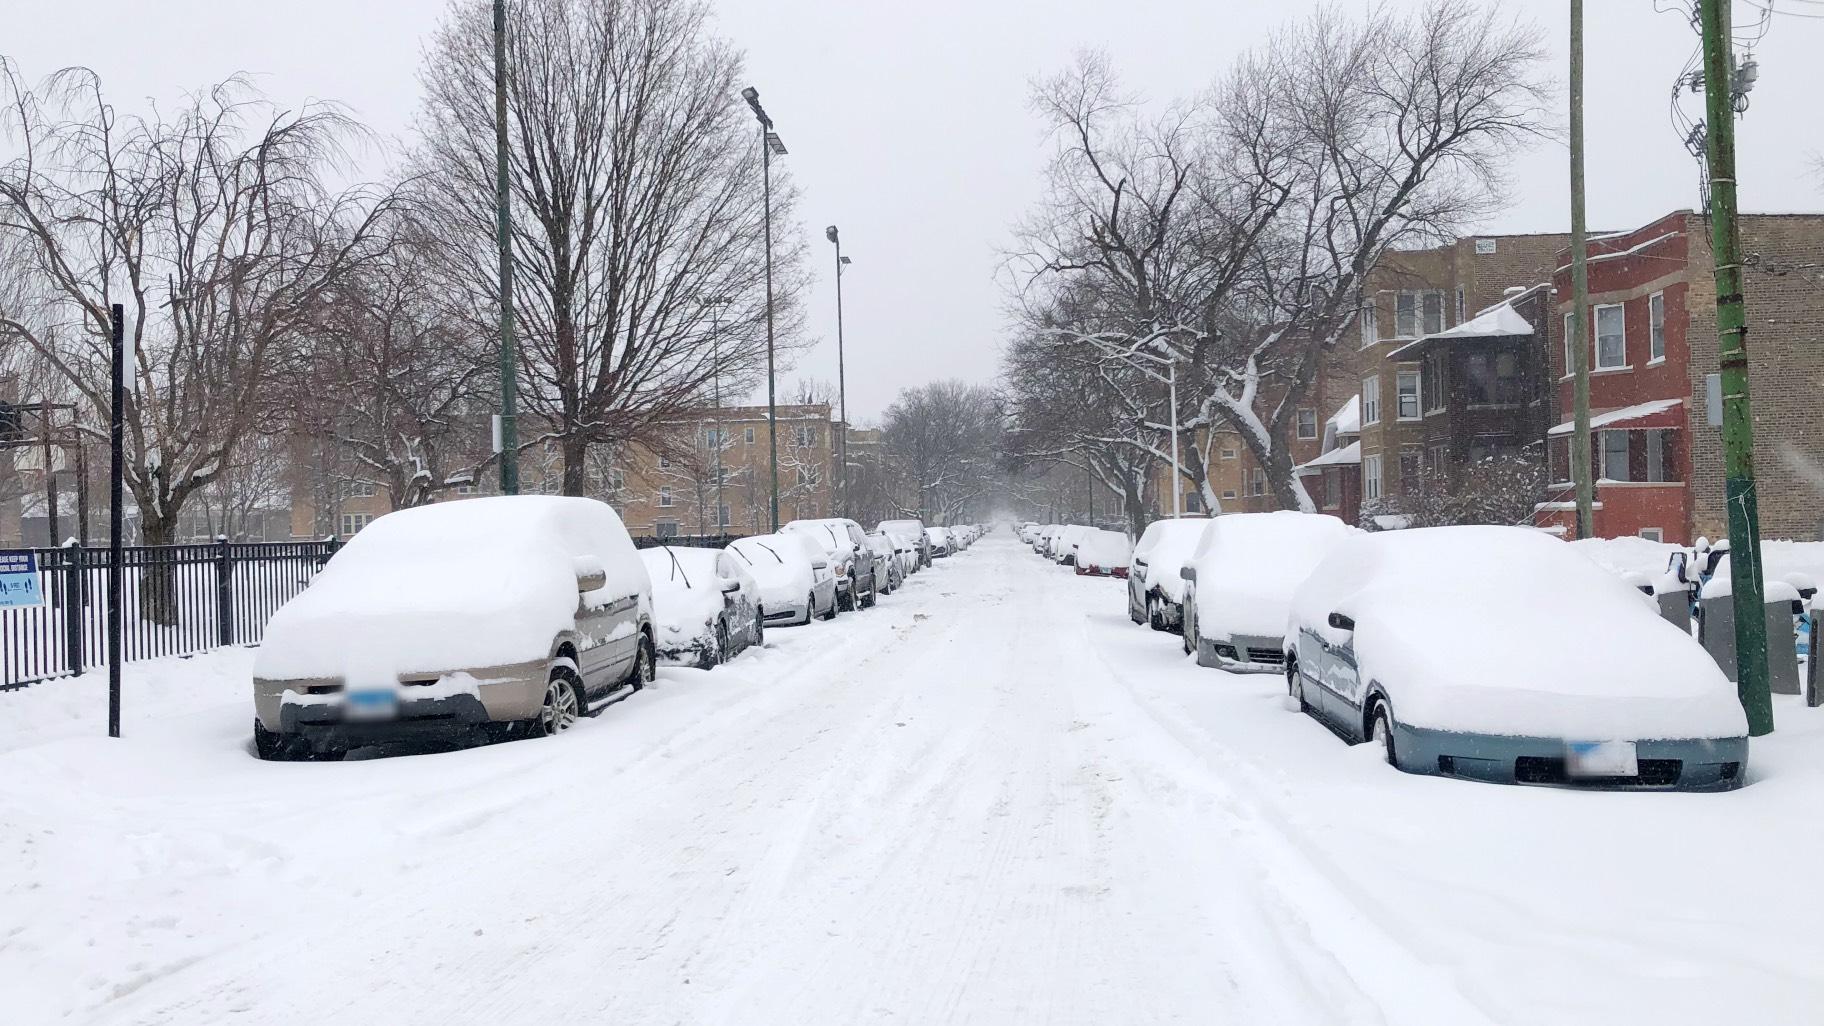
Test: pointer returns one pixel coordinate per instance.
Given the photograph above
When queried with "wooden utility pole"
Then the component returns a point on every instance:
(1745, 569)
(1578, 345)
(507, 439)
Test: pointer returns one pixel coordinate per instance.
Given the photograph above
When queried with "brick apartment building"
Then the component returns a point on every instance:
(1657, 459)
(1333, 478)
(1414, 294)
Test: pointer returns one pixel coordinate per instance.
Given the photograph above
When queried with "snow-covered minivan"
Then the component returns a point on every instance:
(505, 616)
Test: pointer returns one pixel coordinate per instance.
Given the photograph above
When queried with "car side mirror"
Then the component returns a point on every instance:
(730, 586)
(820, 564)
(589, 574)
(1341, 622)
(1188, 573)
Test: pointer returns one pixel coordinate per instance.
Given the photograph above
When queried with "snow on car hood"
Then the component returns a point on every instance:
(1509, 631)
(459, 585)
(779, 566)
(1166, 552)
(686, 596)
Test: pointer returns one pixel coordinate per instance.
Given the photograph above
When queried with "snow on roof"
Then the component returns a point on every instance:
(1500, 320)
(1348, 455)
(1348, 420)
(1621, 416)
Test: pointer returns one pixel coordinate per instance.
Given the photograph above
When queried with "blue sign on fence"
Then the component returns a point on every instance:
(19, 579)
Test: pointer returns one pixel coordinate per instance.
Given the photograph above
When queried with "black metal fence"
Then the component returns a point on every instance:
(687, 541)
(178, 599)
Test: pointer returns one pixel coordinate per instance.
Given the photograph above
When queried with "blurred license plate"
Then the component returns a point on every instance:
(371, 705)
(1601, 759)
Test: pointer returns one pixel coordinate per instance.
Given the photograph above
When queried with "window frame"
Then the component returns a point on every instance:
(1652, 534)
(1371, 400)
(1627, 453)
(666, 499)
(1621, 313)
(1369, 324)
(1400, 395)
(1300, 417)
(1656, 327)
(1371, 477)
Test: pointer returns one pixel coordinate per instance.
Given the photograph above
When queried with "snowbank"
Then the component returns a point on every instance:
(1508, 631)
(479, 582)
(1249, 564)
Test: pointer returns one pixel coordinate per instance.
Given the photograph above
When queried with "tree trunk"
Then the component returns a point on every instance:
(158, 580)
(575, 451)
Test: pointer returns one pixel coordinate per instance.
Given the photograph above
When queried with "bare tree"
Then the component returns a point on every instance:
(213, 227)
(945, 440)
(635, 180)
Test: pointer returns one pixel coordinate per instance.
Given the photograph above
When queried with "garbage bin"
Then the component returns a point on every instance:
(1716, 630)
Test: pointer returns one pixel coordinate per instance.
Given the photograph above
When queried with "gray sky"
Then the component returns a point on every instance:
(908, 127)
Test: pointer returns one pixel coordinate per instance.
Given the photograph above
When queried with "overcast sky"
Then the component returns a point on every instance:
(908, 126)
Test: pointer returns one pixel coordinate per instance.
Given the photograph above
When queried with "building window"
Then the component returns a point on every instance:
(1406, 394)
(664, 464)
(617, 478)
(1228, 493)
(664, 495)
(722, 519)
(747, 435)
(1412, 469)
(1258, 486)
(1371, 399)
(1460, 307)
(1659, 456)
(1369, 330)
(804, 437)
(1656, 327)
(712, 437)
(1307, 423)
(1434, 380)
(1228, 454)
(361, 489)
(1570, 333)
(1493, 379)
(1416, 313)
(1614, 455)
(1332, 486)
(665, 528)
(1193, 503)
(465, 488)
(1371, 477)
(352, 522)
(1611, 338)
(808, 476)
(1653, 534)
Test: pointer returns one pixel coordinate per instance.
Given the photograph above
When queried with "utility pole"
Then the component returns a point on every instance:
(116, 445)
(506, 441)
(715, 351)
(1745, 569)
(1578, 345)
(770, 144)
(842, 382)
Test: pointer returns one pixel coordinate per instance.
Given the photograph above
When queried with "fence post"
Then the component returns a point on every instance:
(224, 591)
(71, 602)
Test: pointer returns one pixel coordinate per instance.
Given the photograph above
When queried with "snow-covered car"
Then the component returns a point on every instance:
(504, 616)
(1064, 546)
(940, 542)
(845, 546)
(1155, 586)
(1240, 580)
(1104, 554)
(912, 533)
(795, 580)
(705, 605)
(1501, 654)
(889, 562)
(1046, 539)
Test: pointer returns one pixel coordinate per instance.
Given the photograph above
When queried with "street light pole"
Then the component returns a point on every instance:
(769, 144)
(1177, 478)
(715, 356)
(842, 384)
(508, 438)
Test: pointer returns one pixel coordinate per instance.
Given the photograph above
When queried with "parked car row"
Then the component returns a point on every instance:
(1485, 653)
(513, 616)
(1093, 552)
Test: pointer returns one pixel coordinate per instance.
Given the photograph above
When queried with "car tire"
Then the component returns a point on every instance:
(1155, 613)
(1380, 732)
(645, 665)
(270, 746)
(873, 596)
(835, 607)
(1133, 611)
(1295, 685)
(719, 655)
(756, 631)
(1189, 632)
(563, 702)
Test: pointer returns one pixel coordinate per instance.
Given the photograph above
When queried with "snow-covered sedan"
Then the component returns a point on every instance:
(890, 562)
(909, 533)
(1240, 580)
(1064, 546)
(795, 580)
(940, 542)
(844, 545)
(705, 605)
(505, 616)
(1155, 584)
(1501, 654)
(1104, 554)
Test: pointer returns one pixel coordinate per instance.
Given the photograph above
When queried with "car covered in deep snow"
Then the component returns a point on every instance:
(890, 561)
(1064, 546)
(795, 580)
(845, 544)
(1501, 654)
(1104, 554)
(705, 605)
(940, 542)
(909, 533)
(502, 616)
(1155, 585)
(1240, 580)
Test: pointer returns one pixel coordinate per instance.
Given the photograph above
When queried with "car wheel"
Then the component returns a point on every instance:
(1295, 685)
(563, 701)
(835, 607)
(720, 654)
(644, 665)
(1380, 731)
(756, 632)
(1190, 624)
(1133, 611)
(1155, 612)
(269, 745)
(872, 597)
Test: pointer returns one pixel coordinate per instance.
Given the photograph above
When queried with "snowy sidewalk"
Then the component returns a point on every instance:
(992, 799)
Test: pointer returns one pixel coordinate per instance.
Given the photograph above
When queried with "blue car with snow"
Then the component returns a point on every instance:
(1501, 654)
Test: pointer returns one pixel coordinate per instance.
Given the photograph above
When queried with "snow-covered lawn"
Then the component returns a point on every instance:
(992, 799)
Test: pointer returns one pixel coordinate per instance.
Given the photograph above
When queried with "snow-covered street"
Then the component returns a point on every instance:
(993, 799)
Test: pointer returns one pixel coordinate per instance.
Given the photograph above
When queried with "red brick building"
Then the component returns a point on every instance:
(1652, 324)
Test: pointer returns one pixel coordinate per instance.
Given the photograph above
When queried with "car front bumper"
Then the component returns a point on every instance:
(1687, 764)
(1242, 655)
(515, 691)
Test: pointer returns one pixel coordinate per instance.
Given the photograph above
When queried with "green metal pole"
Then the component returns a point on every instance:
(1579, 347)
(503, 236)
(772, 406)
(1745, 570)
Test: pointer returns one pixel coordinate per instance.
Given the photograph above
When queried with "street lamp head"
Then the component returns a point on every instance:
(830, 233)
(845, 261)
(774, 143)
(751, 95)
